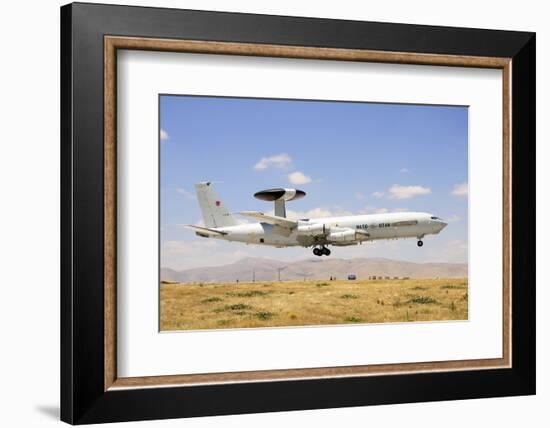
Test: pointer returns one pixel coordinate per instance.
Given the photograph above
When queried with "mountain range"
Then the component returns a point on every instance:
(262, 269)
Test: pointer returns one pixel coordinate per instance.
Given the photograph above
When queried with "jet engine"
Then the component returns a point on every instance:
(279, 196)
(345, 235)
(315, 229)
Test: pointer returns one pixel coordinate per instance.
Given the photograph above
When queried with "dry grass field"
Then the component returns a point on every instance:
(301, 303)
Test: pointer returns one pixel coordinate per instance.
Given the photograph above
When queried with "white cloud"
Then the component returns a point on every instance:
(199, 253)
(452, 218)
(186, 193)
(312, 213)
(359, 196)
(402, 192)
(281, 161)
(164, 135)
(298, 177)
(407, 192)
(381, 210)
(404, 170)
(460, 189)
(317, 212)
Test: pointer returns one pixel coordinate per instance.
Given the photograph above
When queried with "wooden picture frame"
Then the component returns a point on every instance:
(91, 390)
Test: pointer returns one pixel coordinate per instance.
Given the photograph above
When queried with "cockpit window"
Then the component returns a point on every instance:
(435, 218)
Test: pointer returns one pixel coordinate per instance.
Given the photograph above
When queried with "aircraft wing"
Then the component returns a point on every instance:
(204, 230)
(271, 219)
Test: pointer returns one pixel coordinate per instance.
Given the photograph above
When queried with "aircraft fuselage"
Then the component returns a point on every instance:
(336, 230)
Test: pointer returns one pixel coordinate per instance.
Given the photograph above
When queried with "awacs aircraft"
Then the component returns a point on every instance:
(278, 231)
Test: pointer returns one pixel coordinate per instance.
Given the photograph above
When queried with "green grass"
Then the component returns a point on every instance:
(211, 300)
(348, 296)
(237, 307)
(264, 316)
(422, 300)
(353, 319)
(252, 293)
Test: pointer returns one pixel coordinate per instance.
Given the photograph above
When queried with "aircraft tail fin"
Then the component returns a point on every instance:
(214, 212)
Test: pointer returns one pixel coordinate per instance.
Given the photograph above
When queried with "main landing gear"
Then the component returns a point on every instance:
(420, 243)
(322, 250)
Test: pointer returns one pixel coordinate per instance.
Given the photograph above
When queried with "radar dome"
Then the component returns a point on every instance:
(279, 194)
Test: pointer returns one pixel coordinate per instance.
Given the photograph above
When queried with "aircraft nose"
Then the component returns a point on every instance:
(442, 225)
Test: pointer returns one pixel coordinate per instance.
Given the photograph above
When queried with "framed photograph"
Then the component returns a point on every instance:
(265, 213)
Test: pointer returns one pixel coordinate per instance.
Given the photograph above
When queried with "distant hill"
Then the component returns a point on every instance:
(267, 270)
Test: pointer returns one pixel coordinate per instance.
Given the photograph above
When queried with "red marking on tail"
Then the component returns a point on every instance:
(218, 203)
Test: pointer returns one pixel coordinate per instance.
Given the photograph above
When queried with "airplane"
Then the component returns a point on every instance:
(279, 231)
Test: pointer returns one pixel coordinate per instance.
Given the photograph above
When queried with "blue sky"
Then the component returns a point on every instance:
(350, 158)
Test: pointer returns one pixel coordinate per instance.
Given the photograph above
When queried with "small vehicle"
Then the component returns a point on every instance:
(352, 277)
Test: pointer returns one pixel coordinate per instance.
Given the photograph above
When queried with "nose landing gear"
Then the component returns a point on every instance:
(322, 250)
(420, 243)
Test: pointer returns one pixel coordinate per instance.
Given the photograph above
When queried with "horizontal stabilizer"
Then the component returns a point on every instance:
(204, 230)
(271, 219)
